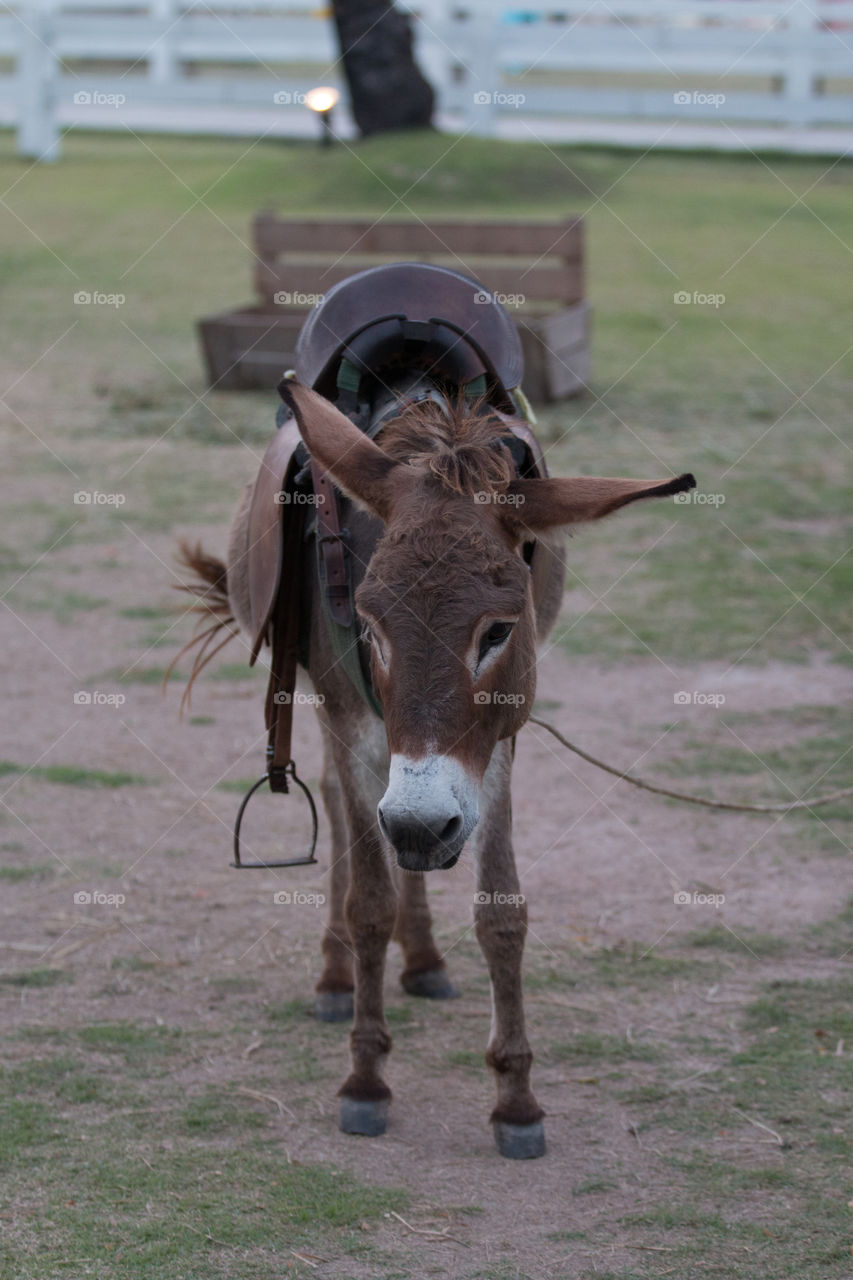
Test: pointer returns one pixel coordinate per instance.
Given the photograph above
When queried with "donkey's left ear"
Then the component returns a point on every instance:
(355, 463)
(537, 505)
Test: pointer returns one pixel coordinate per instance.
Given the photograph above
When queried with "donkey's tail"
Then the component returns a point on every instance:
(209, 584)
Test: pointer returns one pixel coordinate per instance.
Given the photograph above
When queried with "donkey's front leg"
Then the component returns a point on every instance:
(333, 1001)
(371, 908)
(500, 916)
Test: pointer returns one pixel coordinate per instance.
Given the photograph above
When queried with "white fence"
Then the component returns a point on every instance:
(243, 66)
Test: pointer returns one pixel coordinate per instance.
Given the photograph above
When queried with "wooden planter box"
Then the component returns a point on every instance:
(541, 262)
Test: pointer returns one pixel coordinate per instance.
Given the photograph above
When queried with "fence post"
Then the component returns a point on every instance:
(800, 71)
(36, 82)
(476, 43)
(162, 63)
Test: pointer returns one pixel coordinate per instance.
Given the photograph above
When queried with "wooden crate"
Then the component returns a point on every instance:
(535, 268)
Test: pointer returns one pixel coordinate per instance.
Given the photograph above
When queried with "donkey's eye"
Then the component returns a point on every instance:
(495, 635)
(372, 638)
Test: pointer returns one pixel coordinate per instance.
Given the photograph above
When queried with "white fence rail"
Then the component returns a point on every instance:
(243, 66)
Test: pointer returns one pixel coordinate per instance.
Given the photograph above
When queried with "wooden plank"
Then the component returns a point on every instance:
(236, 343)
(564, 329)
(557, 354)
(529, 239)
(299, 281)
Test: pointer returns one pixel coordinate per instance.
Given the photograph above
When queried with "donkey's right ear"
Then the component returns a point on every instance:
(355, 463)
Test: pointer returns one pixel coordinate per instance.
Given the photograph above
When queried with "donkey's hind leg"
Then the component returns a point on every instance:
(333, 1001)
(425, 973)
(500, 917)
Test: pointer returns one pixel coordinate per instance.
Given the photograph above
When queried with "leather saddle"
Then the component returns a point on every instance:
(387, 315)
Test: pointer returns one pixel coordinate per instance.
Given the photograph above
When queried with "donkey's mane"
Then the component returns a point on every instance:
(461, 448)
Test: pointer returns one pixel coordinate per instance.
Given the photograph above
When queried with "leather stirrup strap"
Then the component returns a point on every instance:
(336, 584)
(285, 656)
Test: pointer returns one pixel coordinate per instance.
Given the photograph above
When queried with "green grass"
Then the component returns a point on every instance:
(588, 1046)
(160, 1184)
(41, 977)
(74, 775)
(722, 939)
(217, 1111)
(38, 871)
(237, 671)
(67, 606)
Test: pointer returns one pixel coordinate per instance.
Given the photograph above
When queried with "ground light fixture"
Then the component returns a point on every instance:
(322, 100)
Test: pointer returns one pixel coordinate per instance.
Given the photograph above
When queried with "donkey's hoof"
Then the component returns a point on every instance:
(520, 1141)
(369, 1117)
(333, 1006)
(433, 984)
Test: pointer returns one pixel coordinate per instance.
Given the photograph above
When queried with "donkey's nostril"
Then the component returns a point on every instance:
(420, 831)
(451, 829)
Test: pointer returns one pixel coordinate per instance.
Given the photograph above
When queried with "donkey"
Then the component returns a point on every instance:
(450, 607)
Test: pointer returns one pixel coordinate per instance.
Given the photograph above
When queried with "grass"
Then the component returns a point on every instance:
(158, 1185)
(592, 1047)
(40, 977)
(37, 871)
(70, 775)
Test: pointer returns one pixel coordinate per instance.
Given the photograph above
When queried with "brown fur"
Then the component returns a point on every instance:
(459, 448)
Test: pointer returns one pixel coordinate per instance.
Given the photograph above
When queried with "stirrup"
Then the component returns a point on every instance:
(290, 769)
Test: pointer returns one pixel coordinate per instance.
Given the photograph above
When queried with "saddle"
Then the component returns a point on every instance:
(395, 317)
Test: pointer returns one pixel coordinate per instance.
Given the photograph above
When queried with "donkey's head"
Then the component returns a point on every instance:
(447, 600)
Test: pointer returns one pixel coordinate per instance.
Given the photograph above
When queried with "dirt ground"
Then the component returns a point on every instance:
(600, 864)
